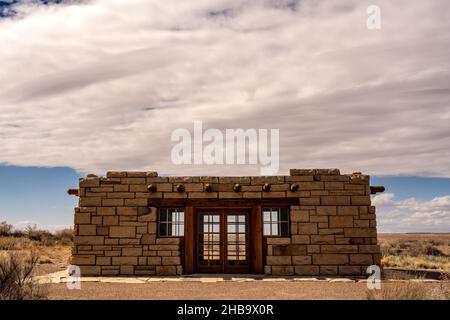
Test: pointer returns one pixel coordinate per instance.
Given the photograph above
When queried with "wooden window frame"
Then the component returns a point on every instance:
(288, 222)
(159, 235)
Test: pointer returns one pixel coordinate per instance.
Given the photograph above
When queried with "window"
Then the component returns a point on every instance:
(171, 222)
(276, 221)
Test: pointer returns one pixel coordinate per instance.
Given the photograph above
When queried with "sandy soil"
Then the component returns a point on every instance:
(259, 290)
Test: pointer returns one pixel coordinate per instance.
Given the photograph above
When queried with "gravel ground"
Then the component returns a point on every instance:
(257, 290)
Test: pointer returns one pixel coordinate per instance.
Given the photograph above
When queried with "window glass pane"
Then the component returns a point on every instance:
(163, 229)
(275, 229)
(171, 222)
(274, 215)
(267, 229)
(266, 216)
(163, 215)
(284, 226)
(284, 216)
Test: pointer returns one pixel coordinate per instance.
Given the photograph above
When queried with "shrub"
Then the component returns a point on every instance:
(16, 282)
(65, 236)
(431, 250)
(5, 229)
(33, 233)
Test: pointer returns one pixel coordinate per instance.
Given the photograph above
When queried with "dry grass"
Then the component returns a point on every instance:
(416, 251)
(16, 272)
(414, 289)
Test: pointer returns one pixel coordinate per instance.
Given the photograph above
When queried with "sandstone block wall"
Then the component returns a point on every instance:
(333, 230)
(333, 227)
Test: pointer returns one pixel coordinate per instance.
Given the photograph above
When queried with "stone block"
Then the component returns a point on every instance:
(148, 239)
(341, 221)
(166, 270)
(136, 202)
(170, 261)
(87, 230)
(127, 270)
(82, 218)
(106, 211)
(230, 195)
(170, 241)
(361, 200)
(127, 211)
(116, 174)
(300, 215)
(302, 172)
(307, 228)
(131, 252)
(348, 210)
(89, 182)
(175, 195)
(332, 259)
(274, 194)
(364, 259)
(360, 232)
(306, 270)
(90, 270)
(275, 240)
(122, 232)
(289, 250)
(278, 260)
(350, 270)
(103, 261)
(313, 201)
(133, 181)
(90, 201)
(110, 220)
(300, 239)
(81, 260)
(202, 195)
(322, 239)
(282, 270)
(252, 195)
(335, 200)
(328, 270)
(124, 261)
(311, 185)
(89, 240)
(112, 202)
(339, 248)
(301, 260)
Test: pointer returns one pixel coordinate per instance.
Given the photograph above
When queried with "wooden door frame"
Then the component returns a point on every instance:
(255, 205)
(224, 267)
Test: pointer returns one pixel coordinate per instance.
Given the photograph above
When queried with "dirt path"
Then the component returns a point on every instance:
(214, 291)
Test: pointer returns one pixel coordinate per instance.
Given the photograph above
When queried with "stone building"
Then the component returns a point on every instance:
(311, 222)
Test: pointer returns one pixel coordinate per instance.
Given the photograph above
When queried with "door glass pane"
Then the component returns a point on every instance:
(237, 239)
(209, 240)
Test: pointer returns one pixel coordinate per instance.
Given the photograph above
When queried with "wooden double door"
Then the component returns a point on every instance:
(223, 242)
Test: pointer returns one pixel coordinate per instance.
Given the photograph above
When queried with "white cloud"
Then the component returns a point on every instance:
(383, 199)
(413, 215)
(101, 85)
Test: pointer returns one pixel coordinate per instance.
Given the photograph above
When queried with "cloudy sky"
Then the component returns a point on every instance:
(91, 86)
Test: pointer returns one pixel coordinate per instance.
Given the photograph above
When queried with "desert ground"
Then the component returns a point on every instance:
(405, 256)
